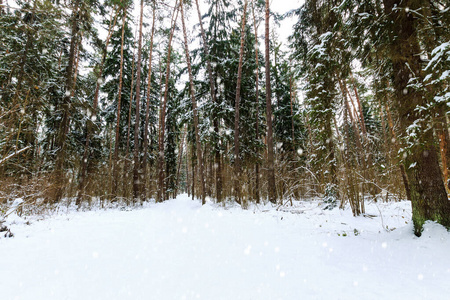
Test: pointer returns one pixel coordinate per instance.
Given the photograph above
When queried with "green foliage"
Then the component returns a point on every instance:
(30, 76)
(111, 85)
(330, 197)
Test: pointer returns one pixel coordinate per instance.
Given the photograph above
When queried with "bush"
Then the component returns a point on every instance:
(330, 197)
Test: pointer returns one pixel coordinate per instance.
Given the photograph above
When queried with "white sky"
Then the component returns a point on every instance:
(278, 6)
(282, 7)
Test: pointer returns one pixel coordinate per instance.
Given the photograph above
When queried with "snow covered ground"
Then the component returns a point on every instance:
(181, 250)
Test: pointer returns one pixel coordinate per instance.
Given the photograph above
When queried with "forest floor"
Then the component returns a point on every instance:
(182, 250)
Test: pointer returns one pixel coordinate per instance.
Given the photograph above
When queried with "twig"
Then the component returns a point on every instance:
(14, 154)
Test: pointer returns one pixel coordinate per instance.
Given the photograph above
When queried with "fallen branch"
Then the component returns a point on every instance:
(2, 161)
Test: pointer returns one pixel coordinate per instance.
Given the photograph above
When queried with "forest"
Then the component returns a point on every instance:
(120, 101)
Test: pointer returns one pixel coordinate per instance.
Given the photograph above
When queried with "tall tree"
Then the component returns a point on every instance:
(161, 196)
(147, 110)
(237, 159)
(270, 149)
(89, 123)
(428, 196)
(61, 144)
(119, 98)
(137, 167)
(195, 110)
(214, 100)
(257, 164)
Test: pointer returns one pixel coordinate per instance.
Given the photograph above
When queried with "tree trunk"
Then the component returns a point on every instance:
(161, 186)
(186, 161)
(237, 159)
(195, 110)
(180, 160)
(443, 135)
(397, 148)
(136, 168)
(291, 94)
(442, 132)
(270, 151)
(352, 119)
(147, 110)
(66, 103)
(127, 150)
(212, 90)
(428, 196)
(361, 115)
(84, 175)
(257, 195)
(193, 179)
(117, 140)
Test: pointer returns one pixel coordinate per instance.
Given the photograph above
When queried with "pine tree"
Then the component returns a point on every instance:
(428, 195)
(162, 189)
(137, 166)
(237, 159)
(119, 98)
(194, 106)
(270, 147)
(147, 110)
(31, 39)
(61, 143)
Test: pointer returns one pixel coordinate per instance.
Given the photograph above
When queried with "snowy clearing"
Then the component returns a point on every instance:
(181, 250)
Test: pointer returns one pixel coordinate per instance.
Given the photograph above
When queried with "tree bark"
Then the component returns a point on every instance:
(136, 168)
(257, 195)
(180, 160)
(237, 159)
(270, 151)
(66, 103)
(428, 196)
(352, 119)
(443, 136)
(127, 150)
(361, 115)
(195, 110)
(161, 196)
(397, 148)
(212, 90)
(84, 175)
(147, 110)
(119, 98)
(291, 94)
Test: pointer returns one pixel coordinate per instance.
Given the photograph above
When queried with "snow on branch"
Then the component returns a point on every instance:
(2, 161)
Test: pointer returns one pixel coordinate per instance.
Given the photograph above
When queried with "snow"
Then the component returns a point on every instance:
(181, 250)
